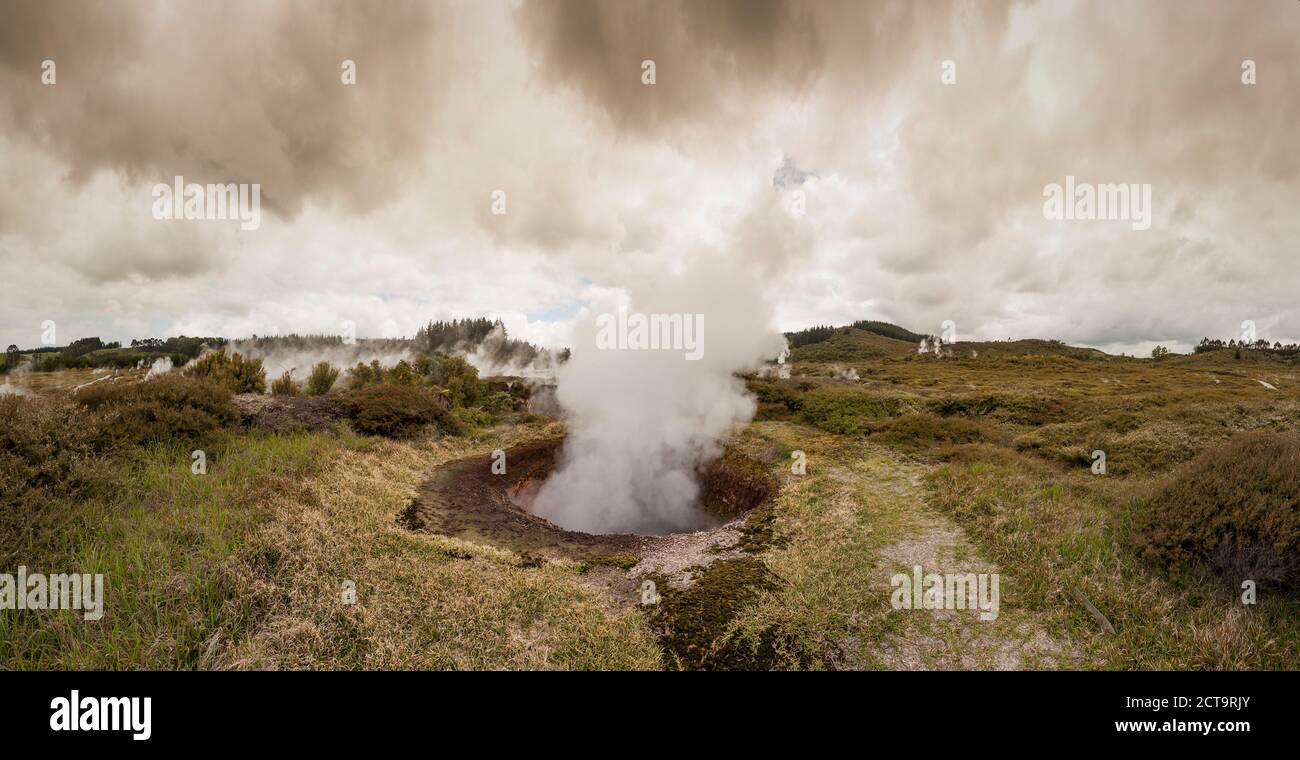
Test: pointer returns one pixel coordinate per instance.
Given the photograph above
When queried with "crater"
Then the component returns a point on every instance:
(465, 499)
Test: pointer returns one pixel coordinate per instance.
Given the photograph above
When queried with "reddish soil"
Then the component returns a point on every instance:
(464, 498)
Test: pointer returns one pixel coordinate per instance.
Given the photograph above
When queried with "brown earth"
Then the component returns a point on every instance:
(288, 413)
(465, 499)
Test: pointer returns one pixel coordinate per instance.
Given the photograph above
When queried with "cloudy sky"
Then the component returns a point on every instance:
(922, 199)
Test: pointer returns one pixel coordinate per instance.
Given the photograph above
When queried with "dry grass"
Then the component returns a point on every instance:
(422, 601)
(841, 532)
(960, 465)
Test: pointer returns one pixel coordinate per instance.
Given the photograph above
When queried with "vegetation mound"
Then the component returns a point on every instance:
(1234, 509)
(398, 411)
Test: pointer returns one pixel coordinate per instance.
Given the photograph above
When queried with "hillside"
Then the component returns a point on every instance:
(866, 340)
(847, 344)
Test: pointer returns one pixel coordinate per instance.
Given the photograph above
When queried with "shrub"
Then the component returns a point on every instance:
(919, 431)
(848, 410)
(167, 407)
(501, 402)
(321, 379)
(284, 385)
(473, 417)
(360, 376)
(398, 411)
(48, 449)
(459, 377)
(234, 372)
(1233, 509)
(402, 374)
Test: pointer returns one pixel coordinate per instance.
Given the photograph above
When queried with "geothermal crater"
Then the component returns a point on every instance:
(465, 499)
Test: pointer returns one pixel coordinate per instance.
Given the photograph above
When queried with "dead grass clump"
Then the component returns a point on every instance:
(1234, 509)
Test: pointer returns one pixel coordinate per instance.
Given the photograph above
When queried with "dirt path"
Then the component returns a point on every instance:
(856, 519)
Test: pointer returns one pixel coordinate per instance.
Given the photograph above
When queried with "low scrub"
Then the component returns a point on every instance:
(170, 407)
(321, 379)
(921, 431)
(234, 372)
(285, 386)
(1233, 509)
(398, 411)
(849, 410)
(48, 449)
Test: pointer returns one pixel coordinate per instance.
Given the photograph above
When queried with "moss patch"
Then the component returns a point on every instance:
(694, 624)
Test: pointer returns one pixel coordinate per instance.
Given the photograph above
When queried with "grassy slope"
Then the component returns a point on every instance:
(242, 568)
(1026, 498)
(849, 344)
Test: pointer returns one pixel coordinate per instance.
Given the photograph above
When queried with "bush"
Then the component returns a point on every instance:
(233, 372)
(48, 449)
(398, 411)
(848, 410)
(285, 386)
(364, 374)
(473, 417)
(919, 431)
(1233, 509)
(321, 379)
(161, 408)
(459, 377)
(502, 402)
(402, 374)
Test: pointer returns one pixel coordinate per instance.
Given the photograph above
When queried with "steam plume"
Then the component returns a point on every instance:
(642, 421)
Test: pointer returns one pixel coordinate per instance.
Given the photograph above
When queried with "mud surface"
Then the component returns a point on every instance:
(698, 580)
(464, 498)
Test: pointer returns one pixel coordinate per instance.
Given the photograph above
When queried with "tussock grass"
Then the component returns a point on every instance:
(171, 546)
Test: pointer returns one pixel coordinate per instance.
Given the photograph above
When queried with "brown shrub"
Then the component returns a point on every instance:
(398, 411)
(47, 450)
(1234, 509)
(919, 431)
(162, 408)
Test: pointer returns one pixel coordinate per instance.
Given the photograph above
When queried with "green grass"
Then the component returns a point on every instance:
(169, 544)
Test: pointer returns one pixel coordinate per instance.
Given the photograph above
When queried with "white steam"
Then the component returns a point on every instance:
(641, 422)
(278, 358)
(160, 366)
(9, 389)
